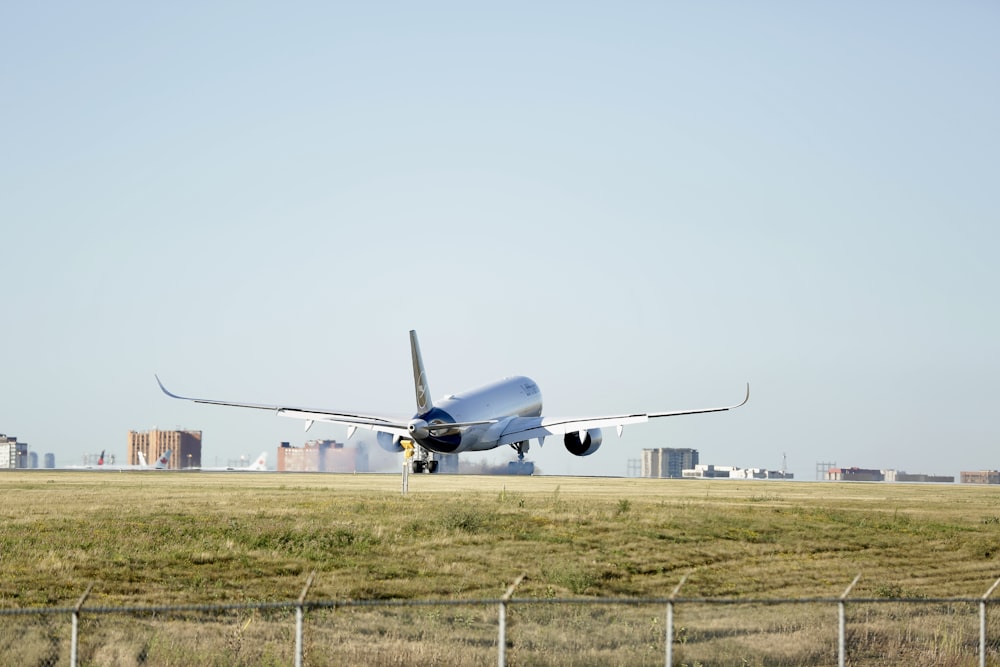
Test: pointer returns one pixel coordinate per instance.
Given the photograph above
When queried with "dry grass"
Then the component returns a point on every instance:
(159, 538)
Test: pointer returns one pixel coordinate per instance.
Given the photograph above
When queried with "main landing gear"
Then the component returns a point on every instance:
(520, 466)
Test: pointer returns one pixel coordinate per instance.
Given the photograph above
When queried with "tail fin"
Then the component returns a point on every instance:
(260, 463)
(423, 392)
(142, 459)
(100, 459)
(164, 461)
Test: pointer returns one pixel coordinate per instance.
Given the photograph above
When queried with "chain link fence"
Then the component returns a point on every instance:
(511, 631)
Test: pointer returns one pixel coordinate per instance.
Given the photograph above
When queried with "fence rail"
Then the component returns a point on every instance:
(546, 631)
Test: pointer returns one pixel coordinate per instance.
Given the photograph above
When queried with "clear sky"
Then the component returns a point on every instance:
(641, 206)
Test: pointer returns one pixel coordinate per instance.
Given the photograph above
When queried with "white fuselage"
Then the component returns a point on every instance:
(500, 401)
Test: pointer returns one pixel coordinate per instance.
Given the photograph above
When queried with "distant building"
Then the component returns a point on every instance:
(185, 447)
(50, 460)
(13, 454)
(980, 477)
(903, 476)
(854, 474)
(710, 471)
(707, 471)
(668, 462)
(759, 473)
(322, 456)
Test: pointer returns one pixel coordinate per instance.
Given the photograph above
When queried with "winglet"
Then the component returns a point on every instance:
(423, 392)
(164, 389)
(703, 410)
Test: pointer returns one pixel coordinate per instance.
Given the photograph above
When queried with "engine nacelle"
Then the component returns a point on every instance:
(586, 446)
(389, 442)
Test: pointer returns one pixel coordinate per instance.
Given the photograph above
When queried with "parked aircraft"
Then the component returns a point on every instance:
(162, 463)
(90, 466)
(259, 464)
(505, 412)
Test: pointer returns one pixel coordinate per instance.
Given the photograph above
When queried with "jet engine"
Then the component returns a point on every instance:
(389, 442)
(585, 446)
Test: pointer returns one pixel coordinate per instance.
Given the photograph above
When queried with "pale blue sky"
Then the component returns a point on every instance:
(641, 206)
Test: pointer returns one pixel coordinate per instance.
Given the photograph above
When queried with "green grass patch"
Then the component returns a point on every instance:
(199, 537)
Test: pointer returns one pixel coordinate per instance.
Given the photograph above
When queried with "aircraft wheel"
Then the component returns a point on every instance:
(432, 466)
(417, 466)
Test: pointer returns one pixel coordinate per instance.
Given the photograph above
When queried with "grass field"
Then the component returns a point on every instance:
(162, 538)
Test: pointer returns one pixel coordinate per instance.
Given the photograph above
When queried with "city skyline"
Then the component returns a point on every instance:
(641, 207)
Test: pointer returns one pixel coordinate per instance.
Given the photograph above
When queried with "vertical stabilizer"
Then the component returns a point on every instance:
(423, 392)
(164, 461)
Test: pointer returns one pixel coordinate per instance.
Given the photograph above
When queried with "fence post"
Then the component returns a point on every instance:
(670, 620)
(982, 624)
(298, 619)
(842, 630)
(502, 640)
(74, 638)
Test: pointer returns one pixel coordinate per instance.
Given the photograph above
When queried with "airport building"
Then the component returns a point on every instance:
(707, 471)
(322, 456)
(13, 454)
(866, 475)
(903, 476)
(710, 471)
(668, 462)
(333, 456)
(185, 447)
(980, 477)
(854, 474)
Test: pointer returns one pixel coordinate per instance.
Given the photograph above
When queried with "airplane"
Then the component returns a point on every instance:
(505, 412)
(260, 463)
(162, 463)
(90, 466)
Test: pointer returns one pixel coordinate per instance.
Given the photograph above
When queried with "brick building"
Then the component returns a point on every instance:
(322, 456)
(980, 477)
(185, 447)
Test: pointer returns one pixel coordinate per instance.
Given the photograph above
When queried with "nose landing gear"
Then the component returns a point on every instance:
(420, 459)
(429, 465)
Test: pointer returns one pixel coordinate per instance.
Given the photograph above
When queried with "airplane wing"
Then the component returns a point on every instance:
(519, 429)
(516, 429)
(393, 425)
